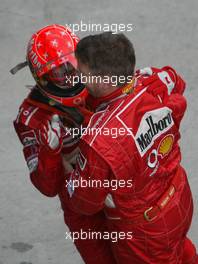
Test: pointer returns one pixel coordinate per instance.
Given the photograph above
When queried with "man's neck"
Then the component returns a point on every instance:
(119, 92)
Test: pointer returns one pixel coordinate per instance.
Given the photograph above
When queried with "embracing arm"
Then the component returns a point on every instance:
(85, 184)
(45, 167)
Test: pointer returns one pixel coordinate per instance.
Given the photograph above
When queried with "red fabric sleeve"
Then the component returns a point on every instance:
(163, 83)
(46, 169)
(180, 84)
(178, 104)
(49, 175)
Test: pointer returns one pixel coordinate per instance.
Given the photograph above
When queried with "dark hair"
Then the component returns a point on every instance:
(107, 54)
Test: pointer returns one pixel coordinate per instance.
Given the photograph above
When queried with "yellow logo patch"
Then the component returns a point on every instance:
(166, 145)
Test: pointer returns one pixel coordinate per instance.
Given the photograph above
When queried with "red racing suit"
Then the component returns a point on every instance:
(47, 175)
(130, 159)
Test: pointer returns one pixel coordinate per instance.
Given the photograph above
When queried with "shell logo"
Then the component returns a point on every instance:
(127, 89)
(166, 145)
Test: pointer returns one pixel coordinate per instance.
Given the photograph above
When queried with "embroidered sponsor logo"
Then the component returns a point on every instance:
(81, 160)
(164, 148)
(152, 125)
(28, 138)
(27, 141)
(166, 145)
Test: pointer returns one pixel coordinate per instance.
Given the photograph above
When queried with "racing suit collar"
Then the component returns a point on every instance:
(71, 113)
(100, 103)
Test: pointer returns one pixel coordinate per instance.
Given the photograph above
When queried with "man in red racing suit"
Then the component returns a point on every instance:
(47, 174)
(151, 206)
(42, 125)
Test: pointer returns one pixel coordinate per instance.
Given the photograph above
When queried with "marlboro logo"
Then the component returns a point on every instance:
(152, 125)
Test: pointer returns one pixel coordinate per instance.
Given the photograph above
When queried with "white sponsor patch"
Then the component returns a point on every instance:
(165, 78)
(32, 164)
(153, 124)
(28, 138)
(28, 141)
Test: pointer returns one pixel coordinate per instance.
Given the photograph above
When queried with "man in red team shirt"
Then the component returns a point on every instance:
(151, 208)
(54, 105)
